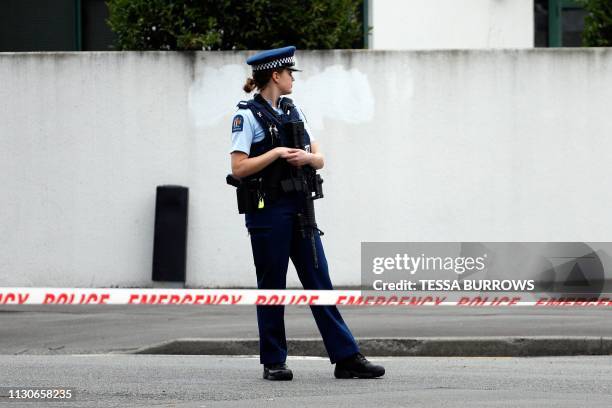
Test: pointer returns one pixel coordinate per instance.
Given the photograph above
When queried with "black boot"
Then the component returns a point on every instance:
(357, 366)
(277, 372)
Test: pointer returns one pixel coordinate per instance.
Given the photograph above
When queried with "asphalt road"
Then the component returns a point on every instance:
(101, 329)
(215, 381)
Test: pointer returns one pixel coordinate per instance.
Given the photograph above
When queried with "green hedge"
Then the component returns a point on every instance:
(598, 23)
(233, 24)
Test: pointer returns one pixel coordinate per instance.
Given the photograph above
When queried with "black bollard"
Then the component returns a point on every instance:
(170, 236)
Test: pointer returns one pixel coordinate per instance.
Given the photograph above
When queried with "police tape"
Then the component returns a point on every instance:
(162, 296)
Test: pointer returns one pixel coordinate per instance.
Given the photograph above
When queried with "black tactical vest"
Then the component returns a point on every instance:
(275, 136)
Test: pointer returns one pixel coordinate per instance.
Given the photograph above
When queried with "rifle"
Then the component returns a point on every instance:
(306, 181)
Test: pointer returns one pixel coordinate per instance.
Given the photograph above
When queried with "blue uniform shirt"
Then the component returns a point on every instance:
(246, 130)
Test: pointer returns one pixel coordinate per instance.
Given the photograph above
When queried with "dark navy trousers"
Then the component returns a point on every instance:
(274, 240)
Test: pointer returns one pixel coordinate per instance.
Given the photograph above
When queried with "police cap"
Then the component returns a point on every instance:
(275, 58)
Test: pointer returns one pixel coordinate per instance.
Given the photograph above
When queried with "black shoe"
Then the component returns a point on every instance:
(357, 366)
(277, 372)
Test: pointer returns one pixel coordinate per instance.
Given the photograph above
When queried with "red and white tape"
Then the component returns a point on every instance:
(157, 296)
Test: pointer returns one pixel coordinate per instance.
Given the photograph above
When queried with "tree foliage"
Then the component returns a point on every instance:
(598, 23)
(235, 24)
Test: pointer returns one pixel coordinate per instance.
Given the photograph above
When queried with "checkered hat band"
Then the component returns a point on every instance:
(287, 61)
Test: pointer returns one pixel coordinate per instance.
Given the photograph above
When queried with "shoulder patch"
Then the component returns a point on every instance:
(237, 123)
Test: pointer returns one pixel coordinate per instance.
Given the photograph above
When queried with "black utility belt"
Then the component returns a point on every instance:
(253, 194)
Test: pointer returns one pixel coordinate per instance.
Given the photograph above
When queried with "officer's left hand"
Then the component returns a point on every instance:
(298, 157)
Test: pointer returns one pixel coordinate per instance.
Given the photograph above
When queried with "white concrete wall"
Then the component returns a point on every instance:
(420, 146)
(451, 24)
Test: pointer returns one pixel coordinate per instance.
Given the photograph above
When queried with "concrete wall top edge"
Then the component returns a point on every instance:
(378, 52)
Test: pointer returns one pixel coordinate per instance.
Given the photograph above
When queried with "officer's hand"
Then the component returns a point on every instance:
(298, 157)
(284, 152)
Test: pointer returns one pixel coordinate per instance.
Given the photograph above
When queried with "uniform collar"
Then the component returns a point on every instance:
(269, 101)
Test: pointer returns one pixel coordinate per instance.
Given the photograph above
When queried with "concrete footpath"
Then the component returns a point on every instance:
(232, 330)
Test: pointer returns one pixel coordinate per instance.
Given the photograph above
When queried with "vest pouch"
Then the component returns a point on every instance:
(272, 177)
(248, 194)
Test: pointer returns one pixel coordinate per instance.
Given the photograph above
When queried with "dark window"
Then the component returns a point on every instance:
(54, 25)
(572, 26)
(565, 23)
(541, 23)
(38, 25)
(97, 35)
(558, 23)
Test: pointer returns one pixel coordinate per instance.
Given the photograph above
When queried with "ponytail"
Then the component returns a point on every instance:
(259, 79)
(249, 85)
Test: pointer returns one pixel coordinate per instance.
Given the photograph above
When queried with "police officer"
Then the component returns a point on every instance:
(259, 153)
